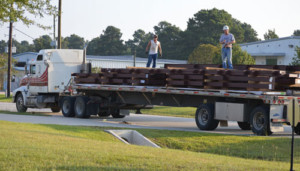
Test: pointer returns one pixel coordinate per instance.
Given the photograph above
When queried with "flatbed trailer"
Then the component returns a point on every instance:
(48, 83)
(262, 112)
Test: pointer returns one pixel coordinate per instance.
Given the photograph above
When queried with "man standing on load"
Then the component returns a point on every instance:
(154, 46)
(227, 39)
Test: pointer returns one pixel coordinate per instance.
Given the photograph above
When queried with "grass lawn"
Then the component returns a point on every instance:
(54, 147)
(187, 112)
(5, 99)
(249, 147)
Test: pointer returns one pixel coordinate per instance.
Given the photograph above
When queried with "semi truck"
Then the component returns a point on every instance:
(48, 83)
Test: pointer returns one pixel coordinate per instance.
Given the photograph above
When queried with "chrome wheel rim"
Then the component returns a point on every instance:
(20, 102)
(258, 121)
(66, 106)
(79, 106)
(203, 116)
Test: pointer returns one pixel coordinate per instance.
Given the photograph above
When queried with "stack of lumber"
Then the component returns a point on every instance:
(242, 77)
(129, 76)
(185, 78)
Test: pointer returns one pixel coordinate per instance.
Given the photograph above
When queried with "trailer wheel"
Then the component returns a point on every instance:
(297, 129)
(67, 106)
(205, 117)
(244, 125)
(20, 103)
(115, 113)
(80, 107)
(55, 109)
(103, 114)
(260, 121)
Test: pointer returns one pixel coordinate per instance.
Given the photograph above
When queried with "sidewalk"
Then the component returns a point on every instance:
(12, 108)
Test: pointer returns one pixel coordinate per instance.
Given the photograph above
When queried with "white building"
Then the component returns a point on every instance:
(279, 51)
(125, 61)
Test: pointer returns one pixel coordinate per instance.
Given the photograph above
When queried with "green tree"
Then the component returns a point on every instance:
(43, 42)
(204, 54)
(270, 34)
(239, 57)
(3, 68)
(74, 42)
(169, 35)
(139, 42)
(296, 59)
(20, 10)
(92, 46)
(250, 35)
(296, 33)
(22, 47)
(206, 28)
(109, 43)
(25, 47)
(3, 44)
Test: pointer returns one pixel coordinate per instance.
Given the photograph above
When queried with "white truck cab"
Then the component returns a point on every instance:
(46, 77)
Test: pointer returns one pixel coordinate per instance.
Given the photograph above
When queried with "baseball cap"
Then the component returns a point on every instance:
(225, 27)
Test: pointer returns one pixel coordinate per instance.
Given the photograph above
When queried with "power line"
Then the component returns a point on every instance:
(23, 33)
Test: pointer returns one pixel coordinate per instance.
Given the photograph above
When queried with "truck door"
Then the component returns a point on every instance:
(38, 81)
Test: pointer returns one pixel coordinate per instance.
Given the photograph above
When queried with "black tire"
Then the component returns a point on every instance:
(260, 121)
(81, 107)
(297, 129)
(55, 109)
(67, 106)
(205, 117)
(20, 103)
(244, 125)
(116, 114)
(103, 113)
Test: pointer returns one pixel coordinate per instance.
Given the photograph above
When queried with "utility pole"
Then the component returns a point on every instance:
(54, 29)
(59, 25)
(9, 59)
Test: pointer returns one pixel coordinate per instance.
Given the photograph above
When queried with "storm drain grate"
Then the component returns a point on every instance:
(132, 137)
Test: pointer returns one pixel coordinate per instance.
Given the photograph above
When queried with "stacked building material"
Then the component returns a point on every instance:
(242, 77)
(185, 78)
(92, 78)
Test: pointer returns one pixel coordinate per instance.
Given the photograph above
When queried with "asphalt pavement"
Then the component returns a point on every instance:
(131, 121)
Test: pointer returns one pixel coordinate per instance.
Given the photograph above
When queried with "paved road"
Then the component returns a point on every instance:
(132, 121)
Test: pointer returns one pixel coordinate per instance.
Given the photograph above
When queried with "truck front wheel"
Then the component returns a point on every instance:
(67, 107)
(297, 129)
(80, 107)
(260, 121)
(205, 117)
(20, 103)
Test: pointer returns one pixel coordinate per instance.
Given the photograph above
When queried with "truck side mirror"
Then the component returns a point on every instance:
(13, 78)
(26, 70)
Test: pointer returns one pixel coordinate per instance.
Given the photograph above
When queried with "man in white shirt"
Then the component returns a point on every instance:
(227, 39)
(154, 46)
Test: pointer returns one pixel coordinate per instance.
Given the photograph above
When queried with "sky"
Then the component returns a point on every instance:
(88, 18)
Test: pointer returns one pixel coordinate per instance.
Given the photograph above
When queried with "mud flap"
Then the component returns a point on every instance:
(276, 112)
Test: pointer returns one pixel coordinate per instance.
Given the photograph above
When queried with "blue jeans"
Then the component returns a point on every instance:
(227, 56)
(150, 58)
